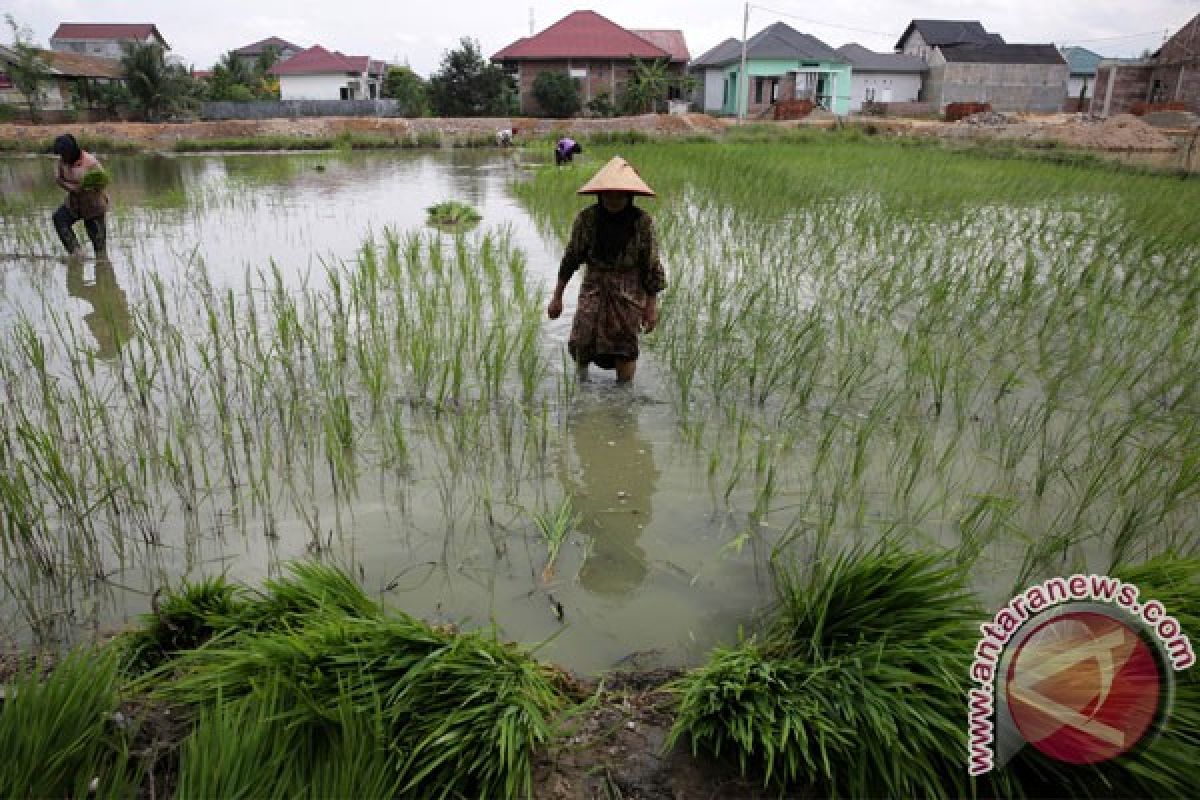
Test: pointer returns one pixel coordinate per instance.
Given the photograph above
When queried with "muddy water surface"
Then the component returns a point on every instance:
(647, 575)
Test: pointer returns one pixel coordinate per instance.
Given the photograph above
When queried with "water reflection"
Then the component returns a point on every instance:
(109, 319)
(612, 487)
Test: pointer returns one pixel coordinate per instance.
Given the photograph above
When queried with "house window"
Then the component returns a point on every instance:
(758, 90)
(870, 94)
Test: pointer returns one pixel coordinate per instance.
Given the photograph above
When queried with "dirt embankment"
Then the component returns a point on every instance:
(165, 135)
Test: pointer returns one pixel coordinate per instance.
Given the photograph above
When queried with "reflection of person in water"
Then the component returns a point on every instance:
(612, 492)
(109, 319)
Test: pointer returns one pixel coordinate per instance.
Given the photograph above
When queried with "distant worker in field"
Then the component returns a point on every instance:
(565, 150)
(81, 174)
(505, 137)
(619, 296)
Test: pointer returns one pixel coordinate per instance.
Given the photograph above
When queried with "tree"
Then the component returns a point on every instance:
(233, 80)
(29, 71)
(557, 93)
(158, 88)
(467, 86)
(266, 59)
(408, 90)
(647, 88)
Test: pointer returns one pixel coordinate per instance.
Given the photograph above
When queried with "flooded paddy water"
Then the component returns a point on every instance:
(281, 360)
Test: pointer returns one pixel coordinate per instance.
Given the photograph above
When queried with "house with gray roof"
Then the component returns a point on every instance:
(967, 64)
(781, 64)
(882, 77)
(923, 35)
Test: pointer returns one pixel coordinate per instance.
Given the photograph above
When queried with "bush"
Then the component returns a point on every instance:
(602, 105)
(557, 94)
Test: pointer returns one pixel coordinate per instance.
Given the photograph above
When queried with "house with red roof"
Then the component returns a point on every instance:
(320, 74)
(598, 53)
(103, 40)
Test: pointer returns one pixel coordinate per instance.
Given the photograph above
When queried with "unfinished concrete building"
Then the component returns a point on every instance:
(1170, 76)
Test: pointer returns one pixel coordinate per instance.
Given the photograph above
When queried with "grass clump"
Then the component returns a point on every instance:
(59, 732)
(452, 212)
(857, 687)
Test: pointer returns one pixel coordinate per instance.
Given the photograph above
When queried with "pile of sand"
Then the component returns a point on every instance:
(1122, 132)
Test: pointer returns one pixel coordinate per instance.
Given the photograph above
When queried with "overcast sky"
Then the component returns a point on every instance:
(418, 33)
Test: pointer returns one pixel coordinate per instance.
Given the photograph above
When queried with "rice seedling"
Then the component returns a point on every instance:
(62, 734)
(555, 527)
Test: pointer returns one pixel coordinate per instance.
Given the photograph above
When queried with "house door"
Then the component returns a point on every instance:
(344, 92)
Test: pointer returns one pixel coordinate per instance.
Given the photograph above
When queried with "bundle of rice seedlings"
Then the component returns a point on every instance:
(1161, 766)
(460, 714)
(96, 180)
(858, 686)
(59, 734)
(184, 620)
(308, 588)
(452, 212)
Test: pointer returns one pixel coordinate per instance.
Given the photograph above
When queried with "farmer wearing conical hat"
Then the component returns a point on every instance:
(619, 296)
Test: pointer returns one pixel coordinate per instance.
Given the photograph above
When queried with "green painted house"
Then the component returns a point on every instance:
(784, 64)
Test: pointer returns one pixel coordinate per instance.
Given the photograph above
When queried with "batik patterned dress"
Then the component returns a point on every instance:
(623, 268)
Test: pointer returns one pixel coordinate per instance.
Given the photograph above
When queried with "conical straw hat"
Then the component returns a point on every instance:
(617, 176)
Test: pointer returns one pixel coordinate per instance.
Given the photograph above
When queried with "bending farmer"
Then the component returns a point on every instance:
(565, 150)
(619, 296)
(86, 198)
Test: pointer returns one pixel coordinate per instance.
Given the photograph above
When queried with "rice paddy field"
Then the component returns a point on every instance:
(989, 360)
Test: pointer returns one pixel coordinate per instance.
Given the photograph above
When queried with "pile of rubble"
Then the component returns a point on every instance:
(989, 118)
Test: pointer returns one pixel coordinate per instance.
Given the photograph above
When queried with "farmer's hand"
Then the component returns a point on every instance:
(554, 310)
(650, 315)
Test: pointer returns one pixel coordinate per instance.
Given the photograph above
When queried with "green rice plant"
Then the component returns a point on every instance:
(453, 213)
(827, 698)
(555, 527)
(62, 731)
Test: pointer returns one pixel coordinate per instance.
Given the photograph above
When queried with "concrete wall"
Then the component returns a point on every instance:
(1119, 86)
(713, 87)
(300, 108)
(889, 88)
(1008, 87)
(325, 87)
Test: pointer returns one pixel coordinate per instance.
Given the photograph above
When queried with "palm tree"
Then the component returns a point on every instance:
(156, 86)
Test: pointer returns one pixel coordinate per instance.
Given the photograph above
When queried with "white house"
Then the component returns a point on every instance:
(882, 77)
(103, 40)
(318, 74)
(709, 71)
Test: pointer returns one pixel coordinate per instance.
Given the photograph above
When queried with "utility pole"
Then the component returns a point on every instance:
(531, 20)
(744, 88)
